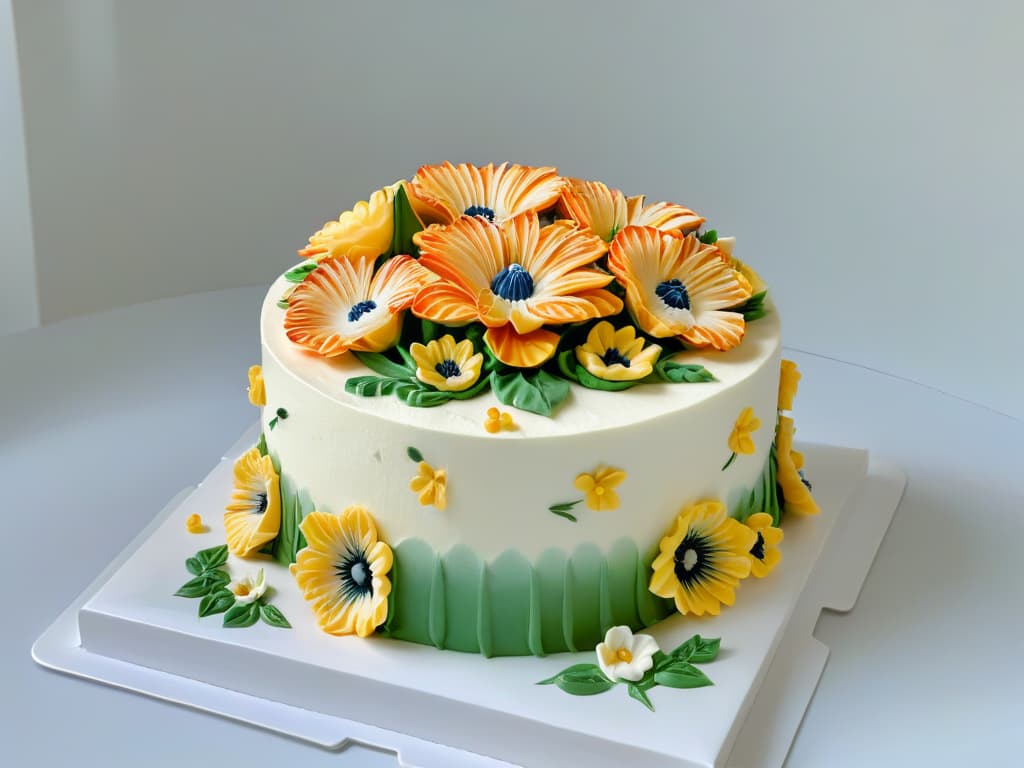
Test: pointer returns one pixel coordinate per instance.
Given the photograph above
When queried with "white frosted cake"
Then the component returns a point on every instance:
(512, 413)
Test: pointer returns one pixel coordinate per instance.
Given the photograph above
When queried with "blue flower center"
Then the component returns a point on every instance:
(480, 210)
(361, 309)
(613, 356)
(513, 283)
(448, 369)
(354, 576)
(673, 293)
(261, 505)
(758, 549)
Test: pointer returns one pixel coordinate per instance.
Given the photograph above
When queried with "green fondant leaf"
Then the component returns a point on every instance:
(565, 506)
(214, 557)
(273, 617)
(638, 693)
(414, 454)
(536, 392)
(710, 237)
(589, 380)
(421, 396)
(216, 602)
(282, 303)
(567, 364)
(204, 584)
(194, 566)
(261, 446)
(563, 513)
(299, 274)
(580, 680)
(754, 308)
(697, 649)
(681, 674)
(429, 330)
(679, 373)
(473, 391)
(384, 365)
(407, 224)
(242, 615)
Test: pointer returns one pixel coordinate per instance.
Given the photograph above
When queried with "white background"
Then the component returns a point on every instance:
(867, 155)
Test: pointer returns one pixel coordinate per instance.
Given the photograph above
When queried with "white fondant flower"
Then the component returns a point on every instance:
(625, 656)
(249, 590)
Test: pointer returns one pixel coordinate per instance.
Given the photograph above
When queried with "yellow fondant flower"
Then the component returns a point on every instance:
(740, 440)
(257, 392)
(599, 488)
(194, 524)
(344, 305)
(616, 355)
(442, 193)
(432, 486)
(789, 379)
(249, 589)
(726, 246)
(607, 211)
(678, 286)
(343, 571)
(703, 559)
(447, 366)
(765, 554)
(498, 420)
(254, 515)
(515, 279)
(793, 487)
(364, 232)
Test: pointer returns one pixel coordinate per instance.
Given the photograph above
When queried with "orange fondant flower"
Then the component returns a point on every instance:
(678, 286)
(442, 193)
(607, 211)
(343, 305)
(515, 279)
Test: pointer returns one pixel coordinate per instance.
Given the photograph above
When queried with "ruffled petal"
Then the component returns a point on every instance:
(595, 206)
(445, 303)
(469, 253)
(521, 350)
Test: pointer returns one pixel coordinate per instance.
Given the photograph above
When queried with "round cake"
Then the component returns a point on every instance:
(506, 411)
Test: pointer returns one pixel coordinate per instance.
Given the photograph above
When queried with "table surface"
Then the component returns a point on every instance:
(922, 671)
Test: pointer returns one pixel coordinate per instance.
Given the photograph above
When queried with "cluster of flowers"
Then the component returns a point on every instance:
(522, 254)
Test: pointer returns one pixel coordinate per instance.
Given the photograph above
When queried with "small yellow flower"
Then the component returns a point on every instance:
(793, 488)
(703, 559)
(498, 420)
(194, 524)
(789, 378)
(253, 517)
(598, 488)
(616, 355)
(432, 486)
(343, 571)
(257, 392)
(764, 554)
(365, 231)
(447, 366)
(740, 441)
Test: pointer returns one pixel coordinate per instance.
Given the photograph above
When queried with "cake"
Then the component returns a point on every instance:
(508, 412)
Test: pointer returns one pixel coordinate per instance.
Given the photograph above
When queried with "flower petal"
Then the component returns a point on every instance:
(521, 350)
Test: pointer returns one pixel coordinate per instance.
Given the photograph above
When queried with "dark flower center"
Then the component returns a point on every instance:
(361, 309)
(613, 356)
(691, 558)
(804, 480)
(513, 283)
(480, 210)
(673, 293)
(355, 576)
(448, 369)
(758, 549)
(262, 505)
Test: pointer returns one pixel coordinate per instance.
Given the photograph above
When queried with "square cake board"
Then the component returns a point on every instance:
(454, 709)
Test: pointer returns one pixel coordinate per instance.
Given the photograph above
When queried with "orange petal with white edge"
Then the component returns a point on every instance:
(560, 310)
(553, 251)
(445, 303)
(663, 216)
(469, 253)
(521, 350)
(714, 328)
(595, 206)
(398, 281)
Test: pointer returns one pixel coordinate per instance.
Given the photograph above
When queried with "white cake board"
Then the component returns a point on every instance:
(765, 676)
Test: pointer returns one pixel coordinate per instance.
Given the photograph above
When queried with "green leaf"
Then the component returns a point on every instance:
(754, 308)
(589, 380)
(414, 454)
(273, 617)
(563, 513)
(194, 566)
(208, 582)
(407, 224)
(242, 615)
(680, 373)
(565, 506)
(299, 274)
(261, 446)
(429, 330)
(536, 392)
(580, 680)
(214, 557)
(567, 364)
(216, 602)
(384, 365)
(420, 395)
(282, 303)
(638, 693)
(697, 649)
(710, 237)
(681, 674)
